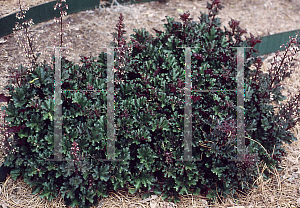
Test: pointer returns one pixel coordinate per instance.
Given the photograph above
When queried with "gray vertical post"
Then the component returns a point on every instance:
(57, 107)
(188, 107)
(240, 103)
(110, 105)
(241, 149)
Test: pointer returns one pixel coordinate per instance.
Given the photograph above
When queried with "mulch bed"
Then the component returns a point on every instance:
(90, 30)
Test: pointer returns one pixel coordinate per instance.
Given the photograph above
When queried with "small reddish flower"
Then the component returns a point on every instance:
(196, 98)
(253, 41)
(198, 56)
(209, 71)
(90, 87)
(242, 31)
(173, 89)
(223, 57)
(180, 83)
(157, 71)
(217, 2)
(233, 24)
(185, 17)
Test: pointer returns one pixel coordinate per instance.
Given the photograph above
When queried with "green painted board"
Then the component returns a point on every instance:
(45, 12)
(40, 13)
(272, 43)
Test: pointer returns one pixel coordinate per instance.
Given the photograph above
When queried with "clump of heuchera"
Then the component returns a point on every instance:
(149, 107)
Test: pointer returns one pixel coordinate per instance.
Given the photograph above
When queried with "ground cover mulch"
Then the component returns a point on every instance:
(90, 30)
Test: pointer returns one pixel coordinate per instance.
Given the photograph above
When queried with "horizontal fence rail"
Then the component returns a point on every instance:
(45, 12)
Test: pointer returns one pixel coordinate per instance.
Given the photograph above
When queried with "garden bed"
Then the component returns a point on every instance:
(90, 30)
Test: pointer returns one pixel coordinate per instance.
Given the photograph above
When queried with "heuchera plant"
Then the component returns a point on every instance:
(149, 116)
